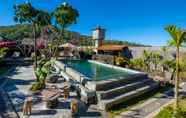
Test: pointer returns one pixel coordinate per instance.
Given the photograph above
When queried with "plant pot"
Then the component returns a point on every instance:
(52, 78)
(52, 103)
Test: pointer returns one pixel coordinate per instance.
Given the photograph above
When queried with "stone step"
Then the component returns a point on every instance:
(122, 89)
(107, 104)
(120, 81)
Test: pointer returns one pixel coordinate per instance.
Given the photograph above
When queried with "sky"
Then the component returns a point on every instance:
(140, 21)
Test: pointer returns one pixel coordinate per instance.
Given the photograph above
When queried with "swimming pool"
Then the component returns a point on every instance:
(96, 71)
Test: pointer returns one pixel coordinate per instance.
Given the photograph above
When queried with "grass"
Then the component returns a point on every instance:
(135, 101)
(3, 70)
(167, 112)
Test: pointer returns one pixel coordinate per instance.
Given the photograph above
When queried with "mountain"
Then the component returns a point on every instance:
(18, 32)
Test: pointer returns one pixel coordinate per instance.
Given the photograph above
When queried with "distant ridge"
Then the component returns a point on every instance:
(18, 32)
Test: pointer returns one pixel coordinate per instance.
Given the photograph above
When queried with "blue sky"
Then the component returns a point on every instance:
(133, 20)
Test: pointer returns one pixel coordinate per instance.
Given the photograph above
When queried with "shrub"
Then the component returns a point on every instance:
(137, 64)
(3, 52)
(121, 61)
(41, 73)
(168, 112)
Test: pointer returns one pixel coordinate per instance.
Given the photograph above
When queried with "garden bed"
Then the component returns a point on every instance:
(167, 112)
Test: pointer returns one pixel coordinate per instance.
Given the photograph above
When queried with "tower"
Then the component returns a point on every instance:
(98, 34)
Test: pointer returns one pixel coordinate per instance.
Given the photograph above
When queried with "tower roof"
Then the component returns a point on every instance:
(98, 28)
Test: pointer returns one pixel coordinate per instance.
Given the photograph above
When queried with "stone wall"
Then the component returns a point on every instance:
(109, 59)
(138, 51)
(18, 61)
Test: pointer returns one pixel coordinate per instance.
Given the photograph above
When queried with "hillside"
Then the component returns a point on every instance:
(18, 32)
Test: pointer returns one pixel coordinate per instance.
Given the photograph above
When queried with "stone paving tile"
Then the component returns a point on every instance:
(18, 88)
(6, 108)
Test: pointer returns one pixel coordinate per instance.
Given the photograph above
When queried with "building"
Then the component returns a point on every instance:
(114, 50)
(108, 49)
(98, 35)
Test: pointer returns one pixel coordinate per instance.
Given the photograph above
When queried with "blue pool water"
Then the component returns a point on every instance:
(96, 71)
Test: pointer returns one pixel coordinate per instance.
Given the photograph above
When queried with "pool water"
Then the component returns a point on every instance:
(96, 71)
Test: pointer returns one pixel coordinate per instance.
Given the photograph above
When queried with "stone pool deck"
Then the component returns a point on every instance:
(17, 86)
(19, 80)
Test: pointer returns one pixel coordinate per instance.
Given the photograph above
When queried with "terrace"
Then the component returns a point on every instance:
(48, 71)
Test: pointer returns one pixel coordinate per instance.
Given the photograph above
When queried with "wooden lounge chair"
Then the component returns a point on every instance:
(74, 106)
(51, 97)
(66, 92)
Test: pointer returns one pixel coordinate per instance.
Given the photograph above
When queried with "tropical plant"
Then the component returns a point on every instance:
(64, 16)
(164, 50)
(178, 38)
(41, 73)
(3, 52)
(137, 63)
(155, 59)
(147, 60)
(121, 61)
(26, 13)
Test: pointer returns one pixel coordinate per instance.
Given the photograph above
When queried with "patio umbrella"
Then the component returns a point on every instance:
(66, 54)
(68, 45)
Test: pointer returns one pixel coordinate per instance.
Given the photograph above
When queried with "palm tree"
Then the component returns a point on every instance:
(26, 13)
(178, 38)
(64, 15)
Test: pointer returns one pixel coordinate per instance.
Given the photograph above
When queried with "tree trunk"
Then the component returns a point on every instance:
(177, 80)
(35, 44)
(58, 43)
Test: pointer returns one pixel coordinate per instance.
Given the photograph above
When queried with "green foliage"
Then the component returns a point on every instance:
(41, 73)
(176, 34)
(121, 61)
(178, 38)
(137, 64)
(119, 42)
(155, 59)
(37, 86)
(168, 112)
(89, 51)
(169, 64)
(26, 13)
(16, 32)
(147, 59)
(146, 62)
(86, 41)
(42, 70)
(3, 52)
(65, 15)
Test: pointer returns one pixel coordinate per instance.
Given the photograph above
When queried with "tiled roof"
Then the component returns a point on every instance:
(7, 43)
(111, 47)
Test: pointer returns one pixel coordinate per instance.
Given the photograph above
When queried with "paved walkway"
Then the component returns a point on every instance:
(17, 86)
(147, 109)
(6, 108)
(20, 79)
